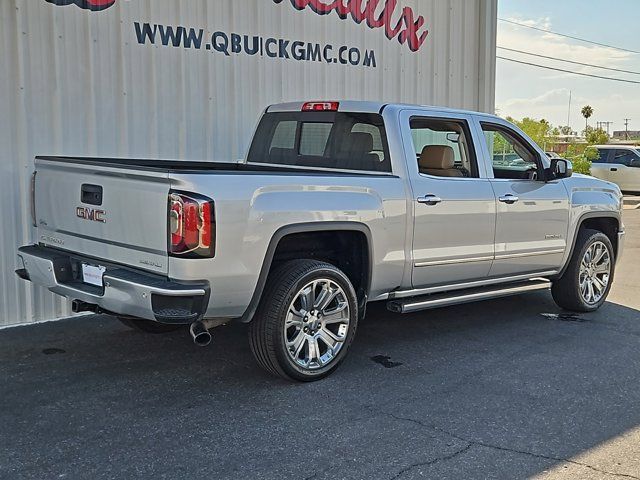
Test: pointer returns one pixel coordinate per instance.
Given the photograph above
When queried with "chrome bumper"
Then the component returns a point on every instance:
(126, 292)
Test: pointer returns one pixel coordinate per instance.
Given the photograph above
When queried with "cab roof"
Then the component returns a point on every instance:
(357, 106)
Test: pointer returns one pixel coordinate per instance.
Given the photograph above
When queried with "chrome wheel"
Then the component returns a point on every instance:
(595, 273)
(317, 324)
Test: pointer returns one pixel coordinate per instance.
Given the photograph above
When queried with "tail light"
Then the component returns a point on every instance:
(191, 226)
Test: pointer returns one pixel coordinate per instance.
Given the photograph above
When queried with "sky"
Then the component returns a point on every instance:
(525, 91)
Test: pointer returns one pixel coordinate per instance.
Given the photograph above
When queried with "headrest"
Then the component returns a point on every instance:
(360, 142)
(437, 157)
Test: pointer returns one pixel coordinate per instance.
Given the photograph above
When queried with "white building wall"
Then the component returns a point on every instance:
(78, 82)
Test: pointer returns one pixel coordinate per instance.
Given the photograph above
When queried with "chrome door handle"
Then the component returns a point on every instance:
(430, 200)
(509, 199)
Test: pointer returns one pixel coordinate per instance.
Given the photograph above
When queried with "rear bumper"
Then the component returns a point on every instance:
(126, 292)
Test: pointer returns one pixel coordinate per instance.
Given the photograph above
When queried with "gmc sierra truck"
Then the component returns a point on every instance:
(336, 205)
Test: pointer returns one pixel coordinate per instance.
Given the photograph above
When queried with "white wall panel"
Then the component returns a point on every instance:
(77, 82)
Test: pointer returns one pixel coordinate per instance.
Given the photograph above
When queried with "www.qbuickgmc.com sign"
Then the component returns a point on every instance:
(398, 22)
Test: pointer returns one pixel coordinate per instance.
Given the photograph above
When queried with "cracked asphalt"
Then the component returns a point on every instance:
(489, 390)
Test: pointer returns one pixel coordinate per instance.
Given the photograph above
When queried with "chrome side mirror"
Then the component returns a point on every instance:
(561, 168)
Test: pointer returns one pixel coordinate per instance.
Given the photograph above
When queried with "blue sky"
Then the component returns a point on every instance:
(528, 91)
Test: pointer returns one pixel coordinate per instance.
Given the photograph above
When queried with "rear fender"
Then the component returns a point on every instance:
(304, 228)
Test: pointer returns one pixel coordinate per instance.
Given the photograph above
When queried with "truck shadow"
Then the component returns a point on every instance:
(509, 384)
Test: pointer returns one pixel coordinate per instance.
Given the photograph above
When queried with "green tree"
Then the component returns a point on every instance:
(582, 155)
(597, 136)
(540, 131)
(587, 113)
(566, 130)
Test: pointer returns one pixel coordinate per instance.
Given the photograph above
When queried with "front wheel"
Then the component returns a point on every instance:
(306, 321)
(586, 283)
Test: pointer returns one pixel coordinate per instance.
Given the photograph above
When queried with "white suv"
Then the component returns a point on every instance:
(619, 164)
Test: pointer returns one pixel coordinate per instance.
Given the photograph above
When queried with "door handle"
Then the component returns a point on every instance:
(509, 199)
(614, 169)
(430, 200)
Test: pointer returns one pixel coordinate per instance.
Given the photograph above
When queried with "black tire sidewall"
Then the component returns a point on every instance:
(284, 360)
(591, 238)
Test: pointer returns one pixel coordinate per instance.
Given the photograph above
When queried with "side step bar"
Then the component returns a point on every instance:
(409, 305)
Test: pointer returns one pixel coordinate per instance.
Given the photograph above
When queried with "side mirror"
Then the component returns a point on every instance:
(635, 163)
(560, 168)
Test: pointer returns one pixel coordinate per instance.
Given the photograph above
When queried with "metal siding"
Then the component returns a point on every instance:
(75, 82)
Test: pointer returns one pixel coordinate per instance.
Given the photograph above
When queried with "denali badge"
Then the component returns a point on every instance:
(51, 240)
(91, 214)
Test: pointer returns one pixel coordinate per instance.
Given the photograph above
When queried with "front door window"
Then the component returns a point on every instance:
(511, 158)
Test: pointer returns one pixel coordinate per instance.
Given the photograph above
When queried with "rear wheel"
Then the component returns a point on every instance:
(306, 321)
(148, 326)
(586, 283)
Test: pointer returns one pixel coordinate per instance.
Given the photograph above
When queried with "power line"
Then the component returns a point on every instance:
(569, 71)
(569, 61)
(569, 36)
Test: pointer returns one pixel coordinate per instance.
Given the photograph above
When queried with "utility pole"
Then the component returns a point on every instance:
(626, 128)
(608, 124)
(569, 112)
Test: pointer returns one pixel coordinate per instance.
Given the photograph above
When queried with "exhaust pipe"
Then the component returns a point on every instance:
(200, 334)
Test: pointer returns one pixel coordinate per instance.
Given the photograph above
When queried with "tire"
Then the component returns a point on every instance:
(148, 326)
(277, 334)
(567, 291)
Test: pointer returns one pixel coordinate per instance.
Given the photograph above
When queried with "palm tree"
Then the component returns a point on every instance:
(587, 113)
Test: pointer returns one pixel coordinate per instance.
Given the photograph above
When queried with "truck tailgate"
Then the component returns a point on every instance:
(112, 212)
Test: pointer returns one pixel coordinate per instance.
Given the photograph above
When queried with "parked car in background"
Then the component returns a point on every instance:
(336, 205)
(619, 164)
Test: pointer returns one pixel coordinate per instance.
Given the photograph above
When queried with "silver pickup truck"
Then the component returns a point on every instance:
(336, 205)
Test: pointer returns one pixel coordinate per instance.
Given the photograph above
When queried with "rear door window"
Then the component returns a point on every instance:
(603, 155)
(334, 140)
(443, 148)
(623, 157)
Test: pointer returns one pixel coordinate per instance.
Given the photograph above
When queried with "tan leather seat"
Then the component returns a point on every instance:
(439, 161)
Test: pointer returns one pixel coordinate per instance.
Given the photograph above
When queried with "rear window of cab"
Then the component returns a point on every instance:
(327, 140)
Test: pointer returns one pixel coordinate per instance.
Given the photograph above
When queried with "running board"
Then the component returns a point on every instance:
(409, 305)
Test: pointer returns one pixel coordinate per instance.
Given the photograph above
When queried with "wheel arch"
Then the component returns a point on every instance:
(606, 222)
(326, 229)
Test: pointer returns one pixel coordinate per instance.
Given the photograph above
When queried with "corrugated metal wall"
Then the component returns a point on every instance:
(78, 82)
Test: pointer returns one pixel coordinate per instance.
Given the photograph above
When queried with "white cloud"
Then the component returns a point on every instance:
(529, 91)
(547, 44)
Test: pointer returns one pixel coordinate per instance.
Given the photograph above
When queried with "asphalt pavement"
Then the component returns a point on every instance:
(504, 389)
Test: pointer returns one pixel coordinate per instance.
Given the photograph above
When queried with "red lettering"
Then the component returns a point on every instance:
(408, 28)
(411, 34)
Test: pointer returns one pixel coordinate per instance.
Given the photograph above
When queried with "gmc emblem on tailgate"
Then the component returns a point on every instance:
(91, 214)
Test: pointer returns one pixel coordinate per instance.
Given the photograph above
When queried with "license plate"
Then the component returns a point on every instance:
(92, 274)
